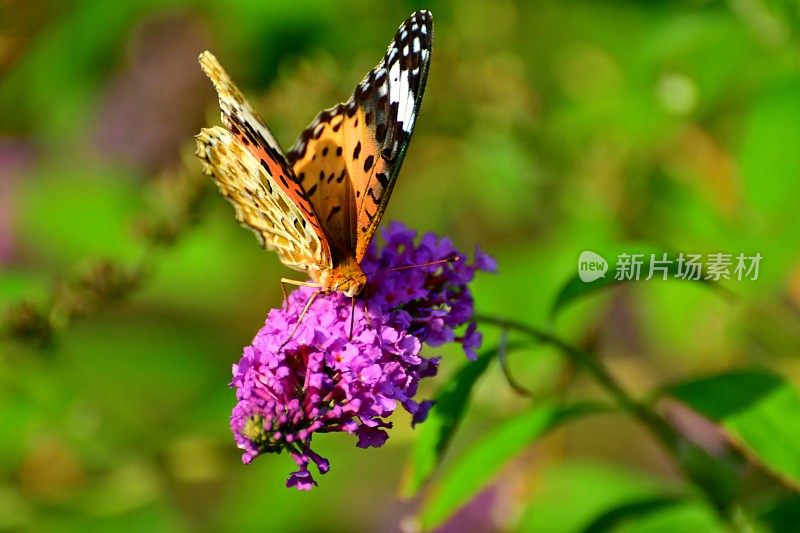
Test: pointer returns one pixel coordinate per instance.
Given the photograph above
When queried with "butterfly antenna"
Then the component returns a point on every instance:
(451, 259)
(300, 318)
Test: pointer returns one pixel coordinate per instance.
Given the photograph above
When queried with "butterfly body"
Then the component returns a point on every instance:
(320, 204)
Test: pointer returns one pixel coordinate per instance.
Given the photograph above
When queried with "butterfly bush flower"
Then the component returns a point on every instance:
(324, 379)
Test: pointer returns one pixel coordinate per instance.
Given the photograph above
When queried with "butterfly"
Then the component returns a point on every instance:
(319, 204)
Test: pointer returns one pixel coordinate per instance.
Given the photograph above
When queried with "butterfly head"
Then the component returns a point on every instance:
(347, 278)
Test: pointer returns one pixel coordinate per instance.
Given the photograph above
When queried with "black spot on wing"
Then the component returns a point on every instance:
(368, 162)
(333, 212)
(313, 131)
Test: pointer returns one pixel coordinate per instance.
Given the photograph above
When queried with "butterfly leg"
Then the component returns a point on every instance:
(366, 313)
(352, 316)
(287, 281)
(302, 314)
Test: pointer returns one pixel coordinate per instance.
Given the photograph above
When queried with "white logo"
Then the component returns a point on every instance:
(591, 266)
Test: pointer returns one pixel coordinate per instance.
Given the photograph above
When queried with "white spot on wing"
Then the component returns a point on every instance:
(406, 106)
(416, 44)
(394, 86)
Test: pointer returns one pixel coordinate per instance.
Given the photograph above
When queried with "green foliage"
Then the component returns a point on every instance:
(591, 497)
(435, 434)
(759, 411)
(481, 462)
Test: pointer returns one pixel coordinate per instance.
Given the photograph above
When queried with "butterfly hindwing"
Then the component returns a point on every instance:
(323, 173)
(366, 138)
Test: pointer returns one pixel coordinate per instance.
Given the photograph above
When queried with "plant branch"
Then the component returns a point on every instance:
(173, 209)
(703, 470)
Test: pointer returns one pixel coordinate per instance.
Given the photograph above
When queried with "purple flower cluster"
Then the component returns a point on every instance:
(323, 379)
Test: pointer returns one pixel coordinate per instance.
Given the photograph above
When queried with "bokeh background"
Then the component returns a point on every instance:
(548, 128)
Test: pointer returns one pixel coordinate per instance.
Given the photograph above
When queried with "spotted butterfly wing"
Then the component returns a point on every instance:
(252, 173)
(320, 206)
(348, 159)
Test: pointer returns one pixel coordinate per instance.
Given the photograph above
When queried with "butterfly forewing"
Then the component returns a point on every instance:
(367, 137)
(240, 119)
(252, 173)
(260, 204)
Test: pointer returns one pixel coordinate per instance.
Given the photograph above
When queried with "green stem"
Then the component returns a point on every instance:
(702, 469)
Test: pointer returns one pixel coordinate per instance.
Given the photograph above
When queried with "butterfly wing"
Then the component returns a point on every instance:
(322, 171)
(252, 173)
(349, 157)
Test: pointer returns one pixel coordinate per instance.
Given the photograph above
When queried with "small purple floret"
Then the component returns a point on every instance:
(323, 380)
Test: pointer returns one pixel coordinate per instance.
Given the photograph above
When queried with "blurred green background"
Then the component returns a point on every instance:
(548, 128)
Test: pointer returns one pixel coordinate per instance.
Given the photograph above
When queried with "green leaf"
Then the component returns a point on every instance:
(576, 289)
(437, 431)
(575, 495)
(685, 516)
(783, 514)
(629, 511)
(588, 496)
(760, 412)
(480, 463)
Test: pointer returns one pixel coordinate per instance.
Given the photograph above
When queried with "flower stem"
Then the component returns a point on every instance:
(711, 476)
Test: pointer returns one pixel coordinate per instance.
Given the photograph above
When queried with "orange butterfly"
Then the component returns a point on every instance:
(320, 204)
